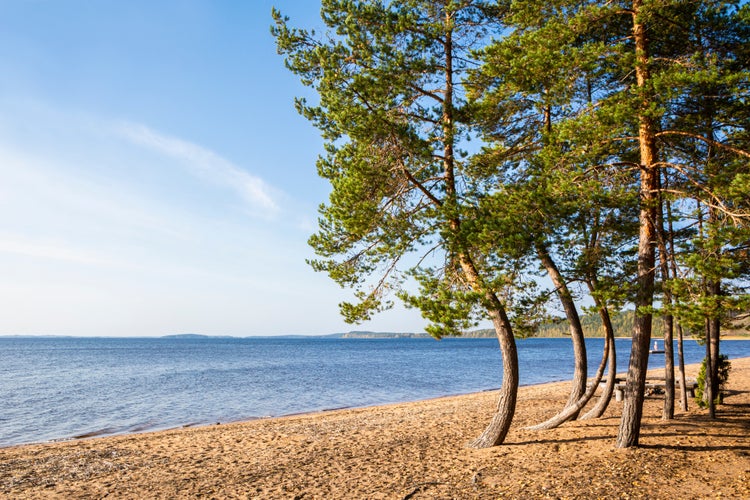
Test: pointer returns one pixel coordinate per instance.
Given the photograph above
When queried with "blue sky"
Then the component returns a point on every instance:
(154, 176)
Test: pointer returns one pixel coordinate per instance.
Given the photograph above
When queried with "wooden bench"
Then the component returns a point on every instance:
(654, 384)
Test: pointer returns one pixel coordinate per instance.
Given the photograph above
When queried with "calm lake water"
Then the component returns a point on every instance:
(63, 388)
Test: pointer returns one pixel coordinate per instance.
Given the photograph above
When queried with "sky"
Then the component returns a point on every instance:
(154, 176)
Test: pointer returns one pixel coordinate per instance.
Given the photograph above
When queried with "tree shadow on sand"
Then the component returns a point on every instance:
(732, 423)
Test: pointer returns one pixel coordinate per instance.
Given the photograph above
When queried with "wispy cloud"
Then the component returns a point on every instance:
(47, 249)
(206, 165)
(39, 195)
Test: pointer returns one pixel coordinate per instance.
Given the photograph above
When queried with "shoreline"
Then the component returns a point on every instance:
(113, 428)
(198, 425)
(412, 449)
(102, 434)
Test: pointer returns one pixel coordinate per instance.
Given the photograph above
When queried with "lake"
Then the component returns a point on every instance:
(63, 388)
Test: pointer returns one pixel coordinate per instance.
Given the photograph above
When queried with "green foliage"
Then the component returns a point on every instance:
(389, 82)
(607, 130)
(723, 370)
(556, 99)
(549, 88)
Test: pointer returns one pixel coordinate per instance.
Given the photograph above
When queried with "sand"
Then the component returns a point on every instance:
(412, 450)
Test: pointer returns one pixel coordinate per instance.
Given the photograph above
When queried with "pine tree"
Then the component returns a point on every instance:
(565, 214)
(596, 92)
(388, 82)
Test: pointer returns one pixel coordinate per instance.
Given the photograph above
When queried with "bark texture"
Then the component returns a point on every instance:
(632, 411)
(669, 385)
(495, 433)
(668, 321)
(499, 425)
(580, 372)
(606, 396)
(681, 370)
(573, 409)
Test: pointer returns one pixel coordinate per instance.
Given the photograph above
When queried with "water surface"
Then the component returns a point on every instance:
(62, 388)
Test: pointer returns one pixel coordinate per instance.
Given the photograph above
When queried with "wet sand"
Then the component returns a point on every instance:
(410, 450)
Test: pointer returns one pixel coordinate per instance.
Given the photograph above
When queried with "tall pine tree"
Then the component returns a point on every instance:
(388, 79)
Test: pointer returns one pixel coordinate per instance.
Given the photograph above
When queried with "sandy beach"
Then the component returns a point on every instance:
(411, 450)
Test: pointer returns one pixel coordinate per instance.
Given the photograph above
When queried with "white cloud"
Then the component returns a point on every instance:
(40, 195)
(56, 250)
(105, 231)
(206, 165)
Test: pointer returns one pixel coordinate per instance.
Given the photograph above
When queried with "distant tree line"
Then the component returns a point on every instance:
(622, 325)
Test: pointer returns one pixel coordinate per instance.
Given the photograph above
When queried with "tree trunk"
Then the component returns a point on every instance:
(570, 410)
(580, 372)
(708, 385)
(714, 283)
(714, 331)
(630, 423)
(606, 396)
(669, 385)
(680, 343)
(506, 407)
(681, 369)
(499, 425)
(664, 259)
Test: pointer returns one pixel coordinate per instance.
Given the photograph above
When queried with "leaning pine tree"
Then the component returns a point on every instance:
(532, 102)
(388, 79)
(654, 58)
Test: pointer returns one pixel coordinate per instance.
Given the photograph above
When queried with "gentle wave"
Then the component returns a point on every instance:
(73, 388)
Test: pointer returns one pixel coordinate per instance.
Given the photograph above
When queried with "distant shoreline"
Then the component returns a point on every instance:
(344, 336)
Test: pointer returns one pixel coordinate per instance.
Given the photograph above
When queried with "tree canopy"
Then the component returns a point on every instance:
(474, 146)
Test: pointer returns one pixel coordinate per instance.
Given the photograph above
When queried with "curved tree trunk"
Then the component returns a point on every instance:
(506, 407)
(499, 425)
(576, 407)
(580, 373)
(606, 396)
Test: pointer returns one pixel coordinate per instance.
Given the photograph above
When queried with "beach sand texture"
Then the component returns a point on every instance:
(411, 450)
